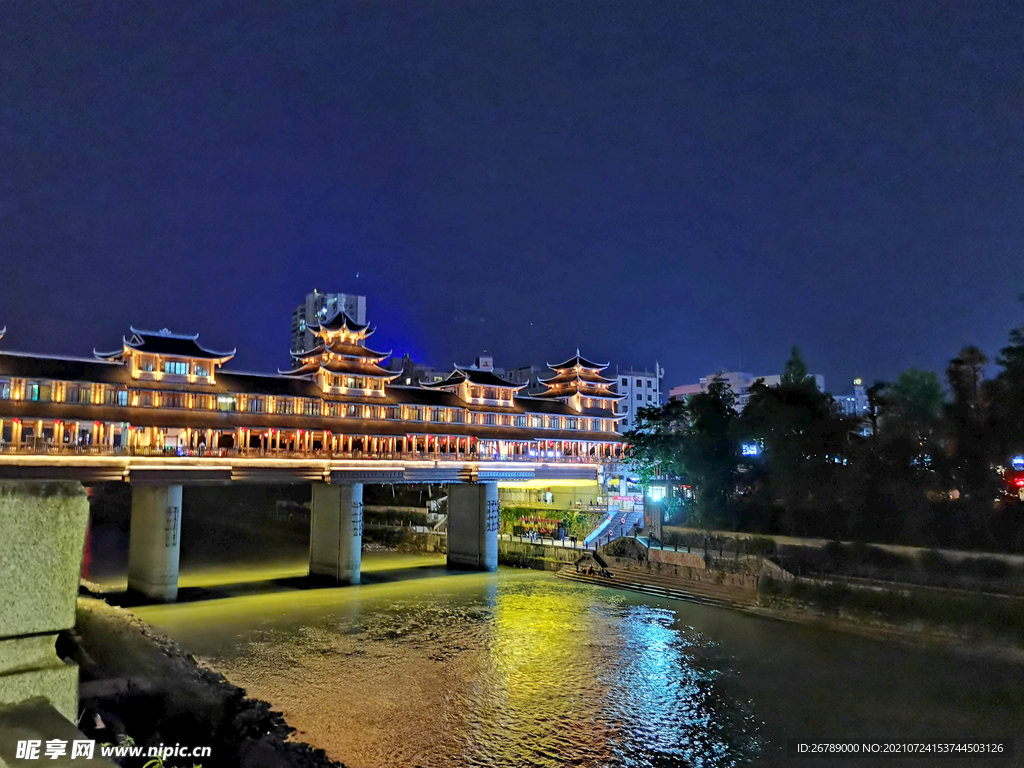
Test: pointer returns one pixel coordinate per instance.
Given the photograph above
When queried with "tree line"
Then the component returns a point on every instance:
(924, 466)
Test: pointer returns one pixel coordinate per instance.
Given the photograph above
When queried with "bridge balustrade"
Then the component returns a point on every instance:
(78, 449)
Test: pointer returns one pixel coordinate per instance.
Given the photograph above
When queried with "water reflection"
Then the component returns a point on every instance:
(419, 666)
(514, 668)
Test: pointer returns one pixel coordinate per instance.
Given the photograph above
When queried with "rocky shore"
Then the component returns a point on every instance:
(138, 684)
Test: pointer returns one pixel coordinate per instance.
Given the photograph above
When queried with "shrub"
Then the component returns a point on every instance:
(935, 562)
(761, 545)
(986, 567)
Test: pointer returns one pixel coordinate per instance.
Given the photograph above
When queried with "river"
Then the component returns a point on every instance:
(419, 666)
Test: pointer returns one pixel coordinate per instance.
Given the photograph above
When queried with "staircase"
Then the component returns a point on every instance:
(614, 526)
(665, 586)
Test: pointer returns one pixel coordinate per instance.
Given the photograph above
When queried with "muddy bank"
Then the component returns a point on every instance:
(136, 682)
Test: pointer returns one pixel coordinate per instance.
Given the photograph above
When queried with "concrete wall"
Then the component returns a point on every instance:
(42, 535)
(742, 572)
(564, 497)
(542, 557)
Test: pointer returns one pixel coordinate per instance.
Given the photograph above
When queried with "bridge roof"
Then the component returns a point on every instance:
(30, 366)
(479, 378)
(340, 322)
(557, 392)
(347, 366)
(580, 361)
(342, 349)
(583, 376)
(163, 342)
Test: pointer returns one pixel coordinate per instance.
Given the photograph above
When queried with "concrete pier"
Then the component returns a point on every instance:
(473, 517)
(336, 532)
(154, 545)
(42, 534)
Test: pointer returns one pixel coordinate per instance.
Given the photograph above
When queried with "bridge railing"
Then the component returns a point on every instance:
(73, 449)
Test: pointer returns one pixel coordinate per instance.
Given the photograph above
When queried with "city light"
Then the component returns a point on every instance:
(1017, 462)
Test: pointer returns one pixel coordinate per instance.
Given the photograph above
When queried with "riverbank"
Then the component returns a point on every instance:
(756, 585)
(137, 683)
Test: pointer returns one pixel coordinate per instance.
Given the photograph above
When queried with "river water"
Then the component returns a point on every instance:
(419, 666)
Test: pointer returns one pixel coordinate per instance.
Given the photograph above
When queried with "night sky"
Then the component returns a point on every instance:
(697, 183)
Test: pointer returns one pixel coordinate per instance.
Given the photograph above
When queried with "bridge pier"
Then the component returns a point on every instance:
(473, 517)
(336, 532)
(154, 545)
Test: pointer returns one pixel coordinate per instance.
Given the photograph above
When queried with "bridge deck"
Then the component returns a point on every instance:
(225, 466)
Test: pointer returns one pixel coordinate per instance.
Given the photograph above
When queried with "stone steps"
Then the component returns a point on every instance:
(661, 586)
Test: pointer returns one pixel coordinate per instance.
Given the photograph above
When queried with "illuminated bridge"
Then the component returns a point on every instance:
(161, 412)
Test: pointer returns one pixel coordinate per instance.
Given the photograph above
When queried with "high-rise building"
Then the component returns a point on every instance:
(738, 382)
(412, 374)
(855, 404)
(639, 389)
(323, 306)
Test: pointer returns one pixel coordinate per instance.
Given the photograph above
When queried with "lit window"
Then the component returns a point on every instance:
(174, 400)
(176, 367)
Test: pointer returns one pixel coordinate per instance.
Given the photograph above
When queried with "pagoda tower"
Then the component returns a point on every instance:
(578, 382)
(339, 362)
(165, 356)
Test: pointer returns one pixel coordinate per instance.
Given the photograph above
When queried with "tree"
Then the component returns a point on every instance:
(656, 438)
(876, 401)
(966, 372)
(914, 404)
(795, 370)
(972, 437)
(902, 466)
(1007, 396)
(803, 437)
(709, 456)
(691, 439)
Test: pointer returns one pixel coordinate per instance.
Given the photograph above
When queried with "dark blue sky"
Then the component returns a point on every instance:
(693, 183)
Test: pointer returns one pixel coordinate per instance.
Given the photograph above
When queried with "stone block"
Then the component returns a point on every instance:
(36, 720)
(43, 534)
(54, 680)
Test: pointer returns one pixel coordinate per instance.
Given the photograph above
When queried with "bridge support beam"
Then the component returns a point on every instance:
(154, 544)
(473, 527)
(42, 534)
(336, 532)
